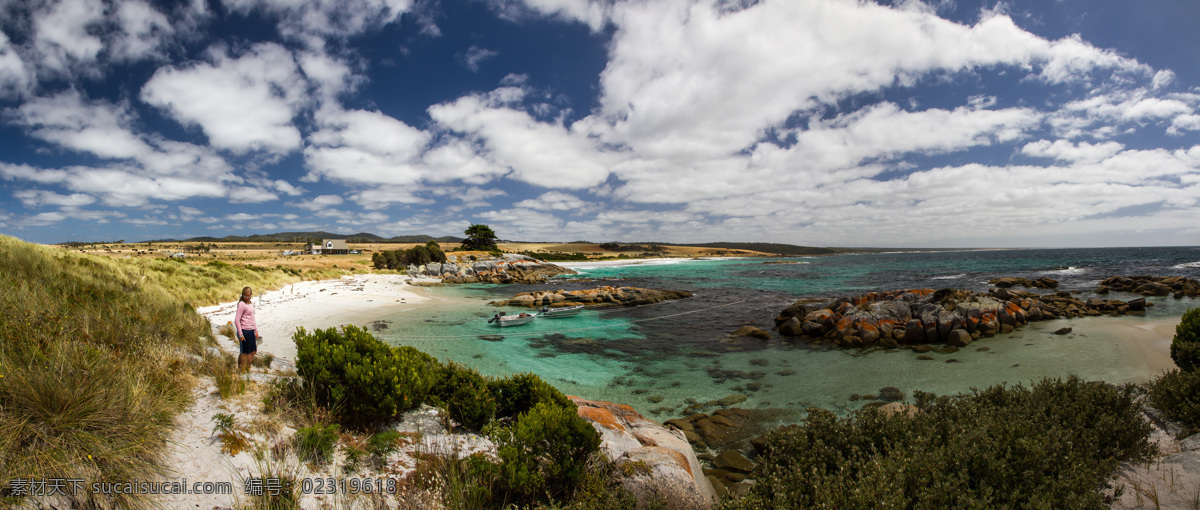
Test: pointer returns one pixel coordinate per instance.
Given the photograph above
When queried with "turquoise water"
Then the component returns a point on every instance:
(662, 358)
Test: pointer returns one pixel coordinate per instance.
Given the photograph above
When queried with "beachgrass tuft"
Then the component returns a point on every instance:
(96, 360)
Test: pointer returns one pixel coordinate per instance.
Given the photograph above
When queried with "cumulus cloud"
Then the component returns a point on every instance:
(244, 103)
(547, 155)
(136, 168)
(364, 147)
(65, 34)
(685, 79)
(143, 31)
(15, 76)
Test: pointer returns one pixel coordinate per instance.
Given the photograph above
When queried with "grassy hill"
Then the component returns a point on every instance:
(94, 365)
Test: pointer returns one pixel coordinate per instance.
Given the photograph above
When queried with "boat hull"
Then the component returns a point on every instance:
(512, 320)
(561, 312)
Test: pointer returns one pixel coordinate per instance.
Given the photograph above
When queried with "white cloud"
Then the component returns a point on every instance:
(118, 184)
(38, 198)
(242, 104)
(538, 153)
(331, 76)
(364, 147)
(247, 194)
(1163, 78)
(1103, 115)
(475, 56)
(379, 197)
(684, 80)
(15, 77)
(287, 188)
(1063, 150)
(69, 121)
(557, 201)
(313, 20)
(65, 34)
(143, 31)
(593, 13)
(1184, 123)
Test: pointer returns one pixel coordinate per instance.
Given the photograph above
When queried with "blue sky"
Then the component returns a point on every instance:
(814, 122)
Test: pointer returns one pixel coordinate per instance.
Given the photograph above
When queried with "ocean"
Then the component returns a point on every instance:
(666, 358)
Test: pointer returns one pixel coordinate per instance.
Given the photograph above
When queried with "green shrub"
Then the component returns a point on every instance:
(517, 394)
(465, 395)
(316, 444)
(364, 379)
(1185, 348)
(1177, 394)
(1049, 446)
(544, 454)
(382, 445)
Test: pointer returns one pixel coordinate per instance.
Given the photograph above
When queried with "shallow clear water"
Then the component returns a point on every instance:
(661, 357)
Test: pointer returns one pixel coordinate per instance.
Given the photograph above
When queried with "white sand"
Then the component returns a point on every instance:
(194, 449)
(356, 300)
(1148, 343)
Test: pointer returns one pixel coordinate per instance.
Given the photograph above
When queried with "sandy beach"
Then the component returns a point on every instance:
(357, 300)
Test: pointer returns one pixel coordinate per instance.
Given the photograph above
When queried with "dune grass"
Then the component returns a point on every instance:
(216, 281)
(96, 361)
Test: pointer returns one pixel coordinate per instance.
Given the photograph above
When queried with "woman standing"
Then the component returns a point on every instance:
(247, 330)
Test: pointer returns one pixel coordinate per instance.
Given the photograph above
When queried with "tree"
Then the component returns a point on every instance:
(1185, 349)
(479, 237)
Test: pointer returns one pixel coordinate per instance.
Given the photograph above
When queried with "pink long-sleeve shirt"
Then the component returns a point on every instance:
(244, 317)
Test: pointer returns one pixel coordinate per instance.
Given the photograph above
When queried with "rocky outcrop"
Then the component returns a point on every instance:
(1177, 286)
(1040, 283)
(954, 317)
(510, 268)
(607, 295)
(675, 474)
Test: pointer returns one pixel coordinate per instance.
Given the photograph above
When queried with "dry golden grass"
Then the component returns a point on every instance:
(268, 255)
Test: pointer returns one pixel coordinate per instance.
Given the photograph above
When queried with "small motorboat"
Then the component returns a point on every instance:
(503, 320)
(558, 313)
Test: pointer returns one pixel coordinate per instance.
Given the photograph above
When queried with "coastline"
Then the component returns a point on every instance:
(637, 262)
(357, 300)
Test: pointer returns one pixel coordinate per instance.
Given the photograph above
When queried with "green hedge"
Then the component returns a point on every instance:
(1049, 446)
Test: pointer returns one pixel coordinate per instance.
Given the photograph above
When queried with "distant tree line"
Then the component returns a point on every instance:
(417, 255)
(80, 244)
(652, 248)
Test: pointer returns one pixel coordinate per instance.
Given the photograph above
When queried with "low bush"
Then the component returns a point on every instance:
(464, 393)
(316, 444)
(1177, 394)
(364, 379)
(380, 446)
(543, 455)
(1185, 348)
(1052, 445)
(518, 394)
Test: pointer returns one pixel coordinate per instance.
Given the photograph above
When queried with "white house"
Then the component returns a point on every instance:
(329, 247)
